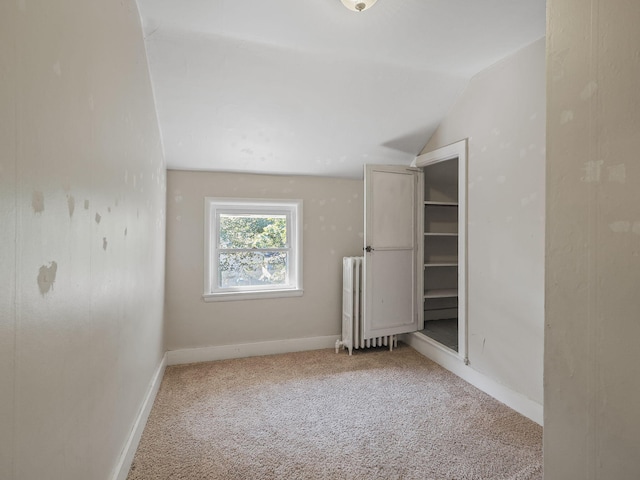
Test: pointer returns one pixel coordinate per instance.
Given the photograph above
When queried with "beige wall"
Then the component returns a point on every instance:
(81, 301)
(502, 112)
(333, 226)
(7, 236)
(592, 368)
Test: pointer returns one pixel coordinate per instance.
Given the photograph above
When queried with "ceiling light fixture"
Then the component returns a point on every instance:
(358, 5)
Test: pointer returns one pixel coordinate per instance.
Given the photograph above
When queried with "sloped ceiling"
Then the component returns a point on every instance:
(309, 87)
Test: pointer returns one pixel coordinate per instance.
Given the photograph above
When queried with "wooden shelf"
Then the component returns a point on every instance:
(440, 234)
(441, 293)
(442, 204)
(441, 264)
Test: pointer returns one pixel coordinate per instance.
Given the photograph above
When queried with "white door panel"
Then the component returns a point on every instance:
(393, 202)
(393, 301)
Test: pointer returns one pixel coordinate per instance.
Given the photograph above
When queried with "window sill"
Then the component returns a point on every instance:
(230, 296)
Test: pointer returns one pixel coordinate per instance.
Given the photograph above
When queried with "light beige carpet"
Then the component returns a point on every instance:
(321, 415)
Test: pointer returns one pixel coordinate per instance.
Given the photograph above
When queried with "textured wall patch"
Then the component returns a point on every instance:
(47, 277)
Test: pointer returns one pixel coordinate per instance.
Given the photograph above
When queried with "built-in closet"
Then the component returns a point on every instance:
(440, 208)
(415, 250)
(443, 246)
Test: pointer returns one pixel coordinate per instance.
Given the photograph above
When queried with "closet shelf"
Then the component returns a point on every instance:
(442, 264)
(441, 293)
(440, 234)
(442, 204)
(442, 309)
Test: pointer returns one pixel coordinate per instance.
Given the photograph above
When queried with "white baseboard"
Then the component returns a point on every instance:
(126, 457)
(520, 403)
(224, 352)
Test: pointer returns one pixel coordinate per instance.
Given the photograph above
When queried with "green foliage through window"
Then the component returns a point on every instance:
(252, 265)
(253, 231)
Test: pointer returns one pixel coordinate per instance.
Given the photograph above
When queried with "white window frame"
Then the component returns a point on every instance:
(213, 208)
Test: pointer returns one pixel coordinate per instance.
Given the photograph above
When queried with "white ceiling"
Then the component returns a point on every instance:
(309, 87)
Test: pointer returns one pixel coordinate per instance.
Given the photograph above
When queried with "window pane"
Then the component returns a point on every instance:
(253, 231)
(252, 268)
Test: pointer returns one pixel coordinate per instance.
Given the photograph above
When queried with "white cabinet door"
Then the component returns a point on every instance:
(392, 197)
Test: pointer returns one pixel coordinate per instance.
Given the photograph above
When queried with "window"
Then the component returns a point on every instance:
(253, 248)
